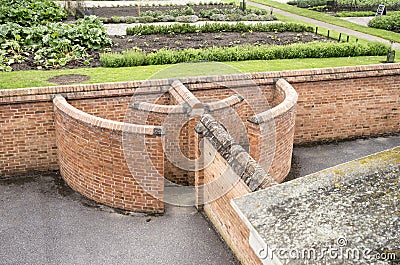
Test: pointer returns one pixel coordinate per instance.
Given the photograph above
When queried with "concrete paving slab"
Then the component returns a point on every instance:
(310, 159)
(43, 221)
(350, 209)
(358, 20)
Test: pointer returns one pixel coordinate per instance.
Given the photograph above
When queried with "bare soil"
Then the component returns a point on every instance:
(151, 43)
(68, 79)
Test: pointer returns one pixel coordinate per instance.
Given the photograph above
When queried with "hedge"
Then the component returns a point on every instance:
(137, 57)
(391, 22)
(217, 27)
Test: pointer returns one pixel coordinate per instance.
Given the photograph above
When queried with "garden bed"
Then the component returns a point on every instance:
(42, 41)
(154, 42)
(125, 11)
(178, 13)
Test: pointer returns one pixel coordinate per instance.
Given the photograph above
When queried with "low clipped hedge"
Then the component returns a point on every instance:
(217, 27)
(137, 57)
(355, 14)
(391, 22)
(363, 13)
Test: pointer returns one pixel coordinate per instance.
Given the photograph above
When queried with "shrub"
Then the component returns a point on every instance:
(187, 19)
(241, 53)
(311, 3)
(172, 12)
(362, 5)
(368, 4)
(166, 18)
(254, 17)
(208, 13)
(115, 19)
(131, 20)
(218, 17)
(104, 20)
(217, 27)
(146, 19)
(151, 13)
(386, 22)
(268, 17)
(234, 17)
(355, 14)
(188, 11)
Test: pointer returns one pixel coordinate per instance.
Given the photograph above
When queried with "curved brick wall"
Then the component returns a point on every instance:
(91, 154)
(284, 116)
(336, 103)
(91, 159)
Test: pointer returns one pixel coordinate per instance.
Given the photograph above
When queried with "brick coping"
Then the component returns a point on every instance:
(128, 88)
(288, 103)
(184, 107)
(61, 104)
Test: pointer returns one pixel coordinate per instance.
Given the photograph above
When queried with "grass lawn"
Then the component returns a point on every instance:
(389, 35)
(35, 78)
(321, 31)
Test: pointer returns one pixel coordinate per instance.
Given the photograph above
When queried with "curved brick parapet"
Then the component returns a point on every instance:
(92, 159)
(283, 116)
(333, 104)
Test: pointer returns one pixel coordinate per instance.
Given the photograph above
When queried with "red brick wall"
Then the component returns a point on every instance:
(339, 109)
(272, 133)
(27, 138)
(333, 104)
(215, 190)
(92, 160)
(225, 219)
(111, 108)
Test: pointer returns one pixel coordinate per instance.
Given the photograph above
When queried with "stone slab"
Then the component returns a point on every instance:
(348, 213)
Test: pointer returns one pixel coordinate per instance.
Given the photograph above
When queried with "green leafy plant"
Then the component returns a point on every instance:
(311, 3)
(146, 19)
(187, 19)
(30, 12)
(51, 45)
(151, 13)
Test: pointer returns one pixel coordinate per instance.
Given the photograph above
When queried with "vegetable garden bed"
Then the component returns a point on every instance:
(178, 13)
(155, 42)
(125, 11)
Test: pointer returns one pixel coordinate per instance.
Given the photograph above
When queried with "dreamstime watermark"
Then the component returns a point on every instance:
(338, 251)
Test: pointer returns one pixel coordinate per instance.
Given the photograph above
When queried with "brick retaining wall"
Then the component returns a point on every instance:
(92, 159)
(333, 104)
